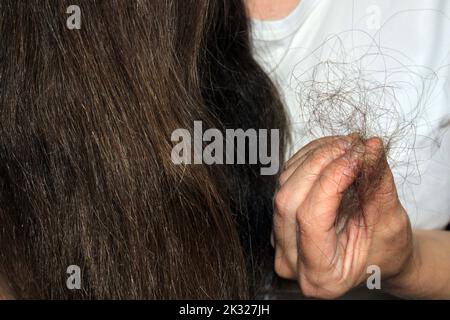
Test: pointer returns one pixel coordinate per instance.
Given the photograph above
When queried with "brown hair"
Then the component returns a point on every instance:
(85, 171)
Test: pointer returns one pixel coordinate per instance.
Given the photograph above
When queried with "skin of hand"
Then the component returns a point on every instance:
(327, 261)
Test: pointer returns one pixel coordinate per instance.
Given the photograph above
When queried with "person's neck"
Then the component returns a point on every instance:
(270, 9)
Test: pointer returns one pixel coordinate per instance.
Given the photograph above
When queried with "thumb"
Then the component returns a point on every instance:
(380, 193)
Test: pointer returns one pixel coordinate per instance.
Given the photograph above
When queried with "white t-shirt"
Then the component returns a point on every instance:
(329, 56)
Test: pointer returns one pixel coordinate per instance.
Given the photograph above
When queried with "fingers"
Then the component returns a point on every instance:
(338, 142)
(308, 247)
(312, 145)
(307, 172)
(316, 216)
(293, 192)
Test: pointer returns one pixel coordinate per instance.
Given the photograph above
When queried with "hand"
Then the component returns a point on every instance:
(326, 259)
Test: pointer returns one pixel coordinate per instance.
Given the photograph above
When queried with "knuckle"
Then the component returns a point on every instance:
(281, 200)
(319, 158)
(309, 290)
(329, 182)
(283, 269)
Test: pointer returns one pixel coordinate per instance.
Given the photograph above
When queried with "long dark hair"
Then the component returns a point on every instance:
(86, 176)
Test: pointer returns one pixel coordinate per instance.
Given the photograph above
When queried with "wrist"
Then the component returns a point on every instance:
(398, 284)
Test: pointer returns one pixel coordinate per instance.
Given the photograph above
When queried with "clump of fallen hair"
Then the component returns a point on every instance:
(345, 94)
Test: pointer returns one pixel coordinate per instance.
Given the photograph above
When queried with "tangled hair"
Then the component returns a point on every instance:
(85, 170)
(347, 92)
